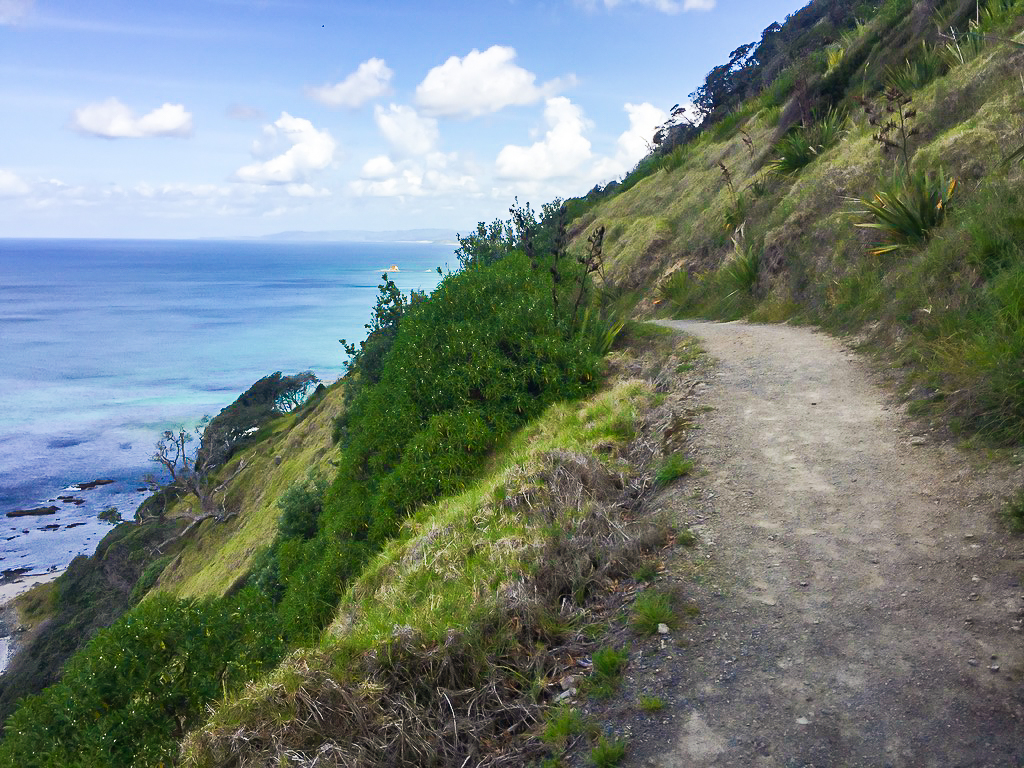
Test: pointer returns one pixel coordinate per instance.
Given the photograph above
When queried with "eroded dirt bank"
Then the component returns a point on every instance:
(861, 604)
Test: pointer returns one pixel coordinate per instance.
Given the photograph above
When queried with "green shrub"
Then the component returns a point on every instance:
(803, 144)
(686, 538)
(301, 506)
(792, 152)
(651, 609)
(739, 274)
(647, 571)
(137, 687)
(492, 346)
(907, 210)
(679, 291)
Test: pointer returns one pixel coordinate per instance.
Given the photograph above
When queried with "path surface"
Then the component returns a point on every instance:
(864, 606)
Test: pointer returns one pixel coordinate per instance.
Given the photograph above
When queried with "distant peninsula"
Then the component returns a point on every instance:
(366, 236)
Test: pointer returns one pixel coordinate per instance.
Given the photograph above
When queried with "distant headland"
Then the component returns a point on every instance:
(362, 236)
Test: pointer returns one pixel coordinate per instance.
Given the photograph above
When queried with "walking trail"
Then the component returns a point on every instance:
(861, 603)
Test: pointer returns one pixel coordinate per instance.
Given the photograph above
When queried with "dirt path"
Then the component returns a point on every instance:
(862, 606)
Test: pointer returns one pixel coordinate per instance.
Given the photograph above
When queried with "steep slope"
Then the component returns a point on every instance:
(763, 213)
(221, 554)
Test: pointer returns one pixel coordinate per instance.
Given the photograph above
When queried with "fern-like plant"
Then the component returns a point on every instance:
(918, 73)
(739, 274)
(802, 144)
(906, 211)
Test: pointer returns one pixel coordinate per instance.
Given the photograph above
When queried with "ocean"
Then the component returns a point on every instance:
(106, 343)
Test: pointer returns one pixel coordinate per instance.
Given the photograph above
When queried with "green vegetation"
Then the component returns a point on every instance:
(647, 572)
(650, 609)
(650, 704)
(803, 144)
(926, 105)
(608, 753)
(136, 687)
(562, 724)
(440, 383)
(907, 211)
(686, 538)
(1013, 512)
(672, 467)
(609, 664)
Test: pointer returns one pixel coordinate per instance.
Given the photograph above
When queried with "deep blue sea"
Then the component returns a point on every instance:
(106, 343)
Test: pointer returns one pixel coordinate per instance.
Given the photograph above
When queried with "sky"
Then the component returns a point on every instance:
(239, 118)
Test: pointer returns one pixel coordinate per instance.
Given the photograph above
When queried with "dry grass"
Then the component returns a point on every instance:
(469, 681)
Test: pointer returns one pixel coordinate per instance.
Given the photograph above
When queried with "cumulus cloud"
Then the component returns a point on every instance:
(436, 174)
(407, 131)
(111, 119)
(11, 185)
(634, 143)
(294, 148)
(379, 167)
(665, 6)
(481, 83)
(562, 152)
(370, 81)
(12, 11)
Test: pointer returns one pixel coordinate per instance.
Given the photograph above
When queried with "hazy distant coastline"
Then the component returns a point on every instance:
(440, 236)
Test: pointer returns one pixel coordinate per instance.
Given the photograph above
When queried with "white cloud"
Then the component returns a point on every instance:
(306, 190)
(562, 152)
(665, 6)
(379, 167)
(11, 185)
(307, 150)
(12, 11)
(111, 119)
(434, 175)
(634, 143)
(406, 130)
(481, 83)
(370, 81)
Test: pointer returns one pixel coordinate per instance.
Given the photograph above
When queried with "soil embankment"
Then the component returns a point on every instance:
(862, 605)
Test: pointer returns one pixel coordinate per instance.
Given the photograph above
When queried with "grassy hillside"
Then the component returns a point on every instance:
(480, 603)
(443, 533)
(763, 216)
(220, 555)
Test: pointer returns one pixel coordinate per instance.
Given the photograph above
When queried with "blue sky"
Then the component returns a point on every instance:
(245, 117)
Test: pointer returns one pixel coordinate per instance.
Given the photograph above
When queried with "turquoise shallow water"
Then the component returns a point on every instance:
(103, 344)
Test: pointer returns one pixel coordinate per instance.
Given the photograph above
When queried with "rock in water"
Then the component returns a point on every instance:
(36, 511)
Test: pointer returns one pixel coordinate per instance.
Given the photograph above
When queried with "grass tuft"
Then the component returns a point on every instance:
(651, 609)
(647, 572)
(608, 753)
(609, 664)
(671, 468)
(563, 723)
(686, 538)
(1013, 512)
(650, 703)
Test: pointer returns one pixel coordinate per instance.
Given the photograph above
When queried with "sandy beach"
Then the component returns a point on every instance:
(9, 640)
(11, 589)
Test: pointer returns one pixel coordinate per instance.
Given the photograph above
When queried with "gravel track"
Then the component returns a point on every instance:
(862, 604)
